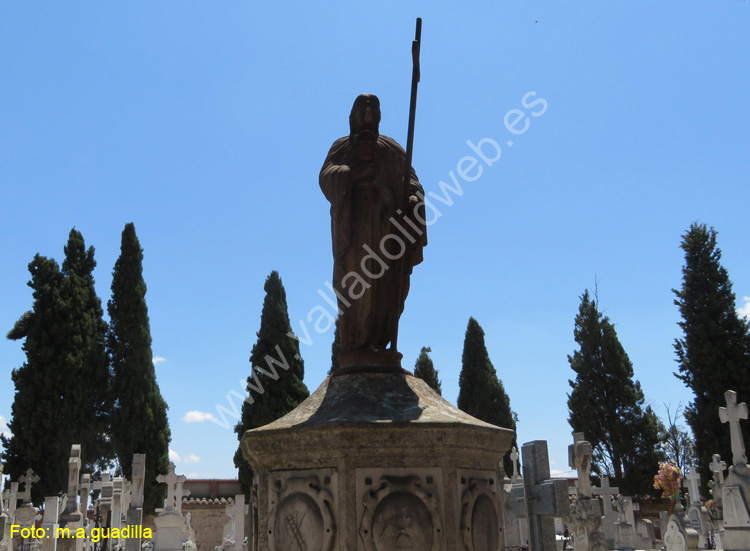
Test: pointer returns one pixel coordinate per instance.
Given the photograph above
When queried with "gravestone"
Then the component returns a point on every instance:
(26, 513)
(72, 517)
(236, 510)
(736, 489)
(610, 517)
(172, 532)
(585, 513)
(52, 512)
(546, 498)
(680, 534)
(515, 526)
(134, 513)
(624, 530)
(514, 460)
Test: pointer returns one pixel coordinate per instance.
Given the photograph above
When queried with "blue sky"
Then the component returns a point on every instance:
(207, 124)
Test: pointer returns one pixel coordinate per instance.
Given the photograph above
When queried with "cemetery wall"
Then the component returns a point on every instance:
(207, 518)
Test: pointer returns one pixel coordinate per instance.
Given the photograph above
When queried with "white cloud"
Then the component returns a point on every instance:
(175, 457)
(744, 311)
(158, 359)
(4, 427)
(196, 416)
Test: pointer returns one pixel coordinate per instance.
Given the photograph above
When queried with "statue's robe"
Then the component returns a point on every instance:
(361, 214)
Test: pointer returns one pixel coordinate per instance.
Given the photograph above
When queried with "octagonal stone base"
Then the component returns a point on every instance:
(376, 462)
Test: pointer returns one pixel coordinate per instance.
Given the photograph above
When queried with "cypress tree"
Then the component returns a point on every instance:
(713, 354)
(62, 390)
(87, 381)
(481, 393)
(608, 405)
(425, 370)
(37, 441)
(139, 419)
(275, 385)
(335, 349)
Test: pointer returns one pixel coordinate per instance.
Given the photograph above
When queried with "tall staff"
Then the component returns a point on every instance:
(415, 45)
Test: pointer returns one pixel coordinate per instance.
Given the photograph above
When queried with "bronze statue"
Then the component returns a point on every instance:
(378, 230)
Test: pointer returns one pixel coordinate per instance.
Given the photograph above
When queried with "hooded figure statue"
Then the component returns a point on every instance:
(378, 230)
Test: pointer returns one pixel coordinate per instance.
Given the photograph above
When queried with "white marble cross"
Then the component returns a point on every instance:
(29, 478)
(514, 459)
(172, 480)
(579, 458)
(694, 480)
(732, 415)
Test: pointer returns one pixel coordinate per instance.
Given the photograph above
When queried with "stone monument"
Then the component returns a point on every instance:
(585, 512)
(610, 517)
(736, 488)
(374, 459)
(172, 532)
(134, 513)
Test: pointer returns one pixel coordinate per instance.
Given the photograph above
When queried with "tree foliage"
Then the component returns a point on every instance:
(275, 385)
(607, 405)
(62, 389)
(425, 370)
(481, 393)
(139, 419)
(335, 349)
(676, 443)
(713, 354)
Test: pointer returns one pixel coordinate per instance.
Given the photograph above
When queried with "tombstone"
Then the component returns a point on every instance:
(172, 532)
(6, 520)
(83, 494)
(105, 498)
(624, 530)
(546, 498)
(514, 460)
(680, 534)
(13, 501)
(610, 517)
(736, 489)
(236, 511)
(26, 513)
(72, 517)
(52, 512)
(134, 513)
(585, 513)
(515, 526)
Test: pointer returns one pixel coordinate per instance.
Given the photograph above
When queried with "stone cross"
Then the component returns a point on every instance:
(545, 498)
(717, 467)
(579, 458)
(116, 518)
(694, 480)
(514, 460)
(732, 415)
(83, 492)
(29, 478)
(71, 517)
(137, 479)
(606, 491)
(236, 511)
(172, 481)
(12, 500)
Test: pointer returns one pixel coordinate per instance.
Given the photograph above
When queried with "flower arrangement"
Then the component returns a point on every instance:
(668, 480)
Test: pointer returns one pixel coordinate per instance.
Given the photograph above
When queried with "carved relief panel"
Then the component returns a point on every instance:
(400, 509)
(302, 510)
(481, 523)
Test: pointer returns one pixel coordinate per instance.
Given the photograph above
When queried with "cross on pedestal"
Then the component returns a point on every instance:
(237, 511)
(545, 498)
(606, 491)
(732, 415)
(718, 467)
(579, 458)
(694, 481)
(172, 481)
(28, 479)
(514, 460)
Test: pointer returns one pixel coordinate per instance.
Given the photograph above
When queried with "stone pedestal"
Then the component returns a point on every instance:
(171, 531)
(377, 462)
(736, 502)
